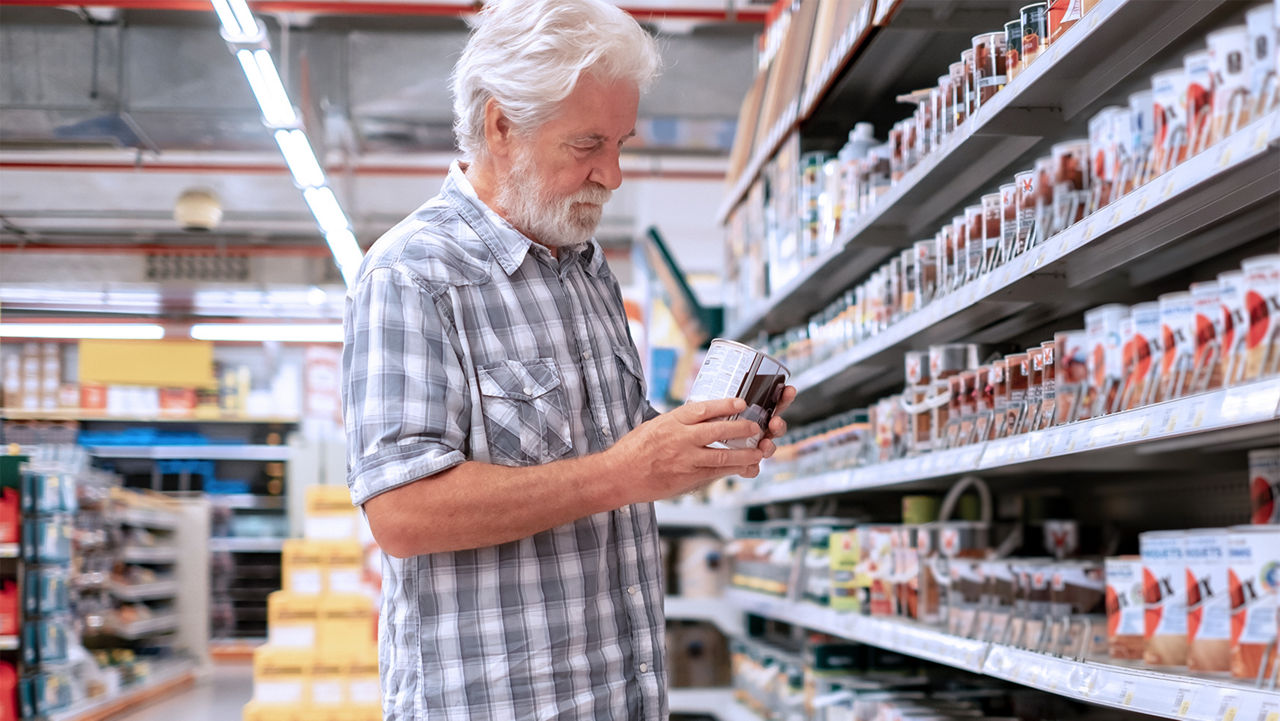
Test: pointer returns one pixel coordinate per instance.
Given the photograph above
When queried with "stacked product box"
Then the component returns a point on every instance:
(321, 657)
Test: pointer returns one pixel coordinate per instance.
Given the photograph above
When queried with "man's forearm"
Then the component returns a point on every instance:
(474, 505)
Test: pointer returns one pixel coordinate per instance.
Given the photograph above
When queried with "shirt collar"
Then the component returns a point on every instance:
(507, 245)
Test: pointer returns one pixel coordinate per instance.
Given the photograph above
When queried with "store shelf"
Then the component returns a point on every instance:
(145, 554)
(715, 517)
(1133, 688)
(717, 702)
(238, 649)
(1130, 687)
(1194, 421)
(200, 452)
(1203, 197)
(9, 550)
(1038, 104)
(144, 591)
(146, 518)
(147, 627)
(247, 501)
(164, 678)
(75, 414)
(8, 643)
(724, 615)
(901, 636)
(246, 545)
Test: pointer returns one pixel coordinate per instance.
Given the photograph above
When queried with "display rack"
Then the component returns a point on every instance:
(1129, 687)
(1194, 421)
(246, 545)
(1203, 197)
(1036, 105)
(164, 678)
(212, 452)
(681, 514)
(79, 414)
(716, 702)
(724, 615)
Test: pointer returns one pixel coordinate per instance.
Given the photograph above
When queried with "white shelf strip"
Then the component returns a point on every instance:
(246, 545)
(726, 616)
(8, 643)
(1247, 404)
(145, 554)
(1112, 684)
(147, 518)
(717, 702)
(715, 517)
(144, 591)
(198, 452)
(1162, 193)
(161, 673)
(9, 550)
(147, 627)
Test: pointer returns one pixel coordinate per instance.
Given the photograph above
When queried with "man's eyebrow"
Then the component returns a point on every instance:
(599, 137)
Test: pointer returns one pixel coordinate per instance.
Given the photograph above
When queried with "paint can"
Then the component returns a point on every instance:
(734, 370)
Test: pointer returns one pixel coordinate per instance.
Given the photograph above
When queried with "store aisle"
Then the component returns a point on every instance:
(218, 697)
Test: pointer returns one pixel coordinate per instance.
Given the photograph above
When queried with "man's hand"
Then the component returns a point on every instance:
(777, 426)
(668, 456)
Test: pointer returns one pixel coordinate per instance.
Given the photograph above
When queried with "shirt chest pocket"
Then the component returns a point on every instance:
(525, 414)
(632, 384)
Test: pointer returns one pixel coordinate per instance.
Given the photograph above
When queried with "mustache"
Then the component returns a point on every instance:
(593, 193)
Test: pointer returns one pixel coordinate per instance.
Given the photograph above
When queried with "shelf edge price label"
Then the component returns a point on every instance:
(1182, 701)
(1126, 694)
(1269, 712)
(1228, 708)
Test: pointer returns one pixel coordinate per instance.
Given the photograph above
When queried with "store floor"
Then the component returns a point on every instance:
(218, 697)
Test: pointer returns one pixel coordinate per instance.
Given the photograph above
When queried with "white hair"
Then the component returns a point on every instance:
(529, 55)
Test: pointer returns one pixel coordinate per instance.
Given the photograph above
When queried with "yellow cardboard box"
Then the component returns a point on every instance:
(348, 624)
(281, 676)
(362, 679)
(328, 682)
(343, 565)
(302, 566)
(293, 620)
(329, 514)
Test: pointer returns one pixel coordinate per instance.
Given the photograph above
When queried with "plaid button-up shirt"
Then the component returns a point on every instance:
(465, 341)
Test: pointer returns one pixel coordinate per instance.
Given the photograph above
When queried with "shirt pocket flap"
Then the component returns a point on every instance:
(630, 362)
(519, 380)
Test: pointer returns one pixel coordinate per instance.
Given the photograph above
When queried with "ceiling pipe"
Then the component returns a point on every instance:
(349, 7)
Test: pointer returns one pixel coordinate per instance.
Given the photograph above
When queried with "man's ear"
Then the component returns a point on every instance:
(498, 130)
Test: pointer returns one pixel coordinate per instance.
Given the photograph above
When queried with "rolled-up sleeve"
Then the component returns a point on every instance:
(405, 403)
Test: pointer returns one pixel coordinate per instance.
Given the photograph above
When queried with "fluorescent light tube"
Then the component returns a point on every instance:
(231, 27)
(285, 333)
(241, 10)
(96, 331)
(346, 253)
(324, 206)
(277, 111)
(300, 158)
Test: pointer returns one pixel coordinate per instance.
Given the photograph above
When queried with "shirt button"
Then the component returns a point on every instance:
(528, 391)
(586, 355)
(644, 668)
(632, 590)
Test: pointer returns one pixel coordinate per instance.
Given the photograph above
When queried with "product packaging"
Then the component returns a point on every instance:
(1206, 325)
(1072, 355)
(992, 231)
(1169, 93)
(1141, 140)
(1229, 58)
(1125, 607)
(1102, 170)
(1062, 15)
(1008, 222)
(1177, 345)
(1070, 183)
(1199, 100)
(1105, 359)
(1262, 306)
(1142, 356)
(975, 243)
(1035, 31)
(1164, 587)
(1208, 609)
(1026, 210)
(1043, 203)
(1077, 609)
(1263, 36)
(989, 65)
(1253, 580)
(733, 370)
(1013, 48)
(1235, 325)
(1264, 485)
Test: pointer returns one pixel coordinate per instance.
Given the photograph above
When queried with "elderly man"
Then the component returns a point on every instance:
(498, 436)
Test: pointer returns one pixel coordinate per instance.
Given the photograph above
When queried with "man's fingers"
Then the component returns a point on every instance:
(748, 472)
(767, 447)
(728, 458)
(691, 413)
(712, 431)
(777, 427)
(788, 395)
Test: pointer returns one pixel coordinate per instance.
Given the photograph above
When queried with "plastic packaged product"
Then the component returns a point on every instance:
(964, 596)
(974, 242)
(959, 86)
(893, 293)
(989, 65)
(1253, 580)
(960, 250)
(1018, 368)
(1208, 609)
(1264, 485)
(1177, 344)
(1105, 358)
(1026, 210)
(944, 118)
(1229, 58)
(1034, 369)
(926, 270)
(1062, 15)
(997, 395)
(1070, 183)
(943, 258)
(1140, 140)
(1262, 306)
(1042, 206)
(1169, 92)
(1008, 222)
(1199, 100)
(999, 591)
(907, 264)
(1072, 355)
(1012, 48)
(970, 87)
(1235, 325)
(1164, 590)
(1263, 38)
(1035, 31)
(1049, 384)
(992, 232)
(1141, 355)
(1125, 607)
(1206, 326)
(1102, 165)
(1077, 603)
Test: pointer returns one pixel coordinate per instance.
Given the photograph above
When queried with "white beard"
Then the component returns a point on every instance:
(550, 221)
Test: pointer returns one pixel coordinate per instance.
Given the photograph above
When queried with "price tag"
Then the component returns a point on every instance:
(1260, 141)
(1269, 712)
(1040, 258)
(1224, 158)
(1228, 708)
(1168, 189)
(1142, 203)
(1088, 232)
(1182, 701)
(1115, 217)
(1171, 423)
(1126, 694)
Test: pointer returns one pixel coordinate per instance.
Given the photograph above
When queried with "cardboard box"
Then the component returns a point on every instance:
(343, 563)
(281, 676)
(363, 688)
(347, 624)
(292, 620)
(329, 514)
(302, 566)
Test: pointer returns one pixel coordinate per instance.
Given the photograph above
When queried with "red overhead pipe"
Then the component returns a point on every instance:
(348, 7)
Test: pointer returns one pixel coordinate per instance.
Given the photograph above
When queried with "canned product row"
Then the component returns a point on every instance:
(1220, 333)
(1216, 91)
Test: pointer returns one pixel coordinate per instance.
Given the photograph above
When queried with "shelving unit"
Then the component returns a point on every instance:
(717, 702)
(1102, 682)
(144, 591)
(724, 615)
(246, 545)
(75, 414)
(718, 518)
(164, 678)
(211, 452)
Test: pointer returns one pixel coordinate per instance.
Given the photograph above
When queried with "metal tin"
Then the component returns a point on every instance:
(1035, 31)
(988, 65)
(1164, 588)
(1253, 580)
(734, 370)
(1208, 611)
(1012, 48)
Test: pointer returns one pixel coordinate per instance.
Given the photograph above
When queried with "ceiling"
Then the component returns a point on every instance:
(109, 112)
